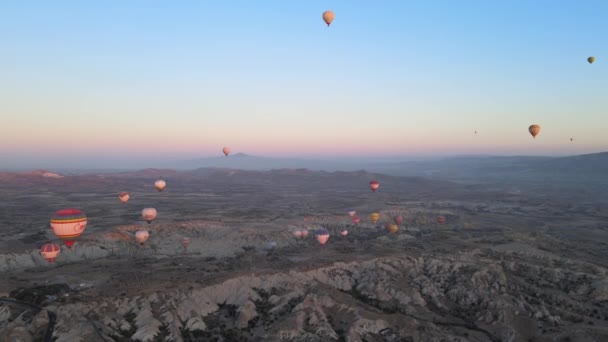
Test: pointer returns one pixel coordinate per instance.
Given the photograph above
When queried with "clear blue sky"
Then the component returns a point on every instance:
(135, 79)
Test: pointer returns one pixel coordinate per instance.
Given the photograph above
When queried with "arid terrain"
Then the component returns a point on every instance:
(506, 266)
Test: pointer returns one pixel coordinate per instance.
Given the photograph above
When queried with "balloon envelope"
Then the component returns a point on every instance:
(352, 213)
(534, 130)
(226, 151)
(344, 232)
(356, 220)
(374, 185)
(393, 228)
(160, 185)
(50, 251)
(142, 236)
(398, 219)
(149, 214)
(591, 59)
(297, 234)
(322, 235)
(68, 224)
(374, 217)
(124, 197)
(328, 17)
(440, 219)
(304, 233)
(186, 242)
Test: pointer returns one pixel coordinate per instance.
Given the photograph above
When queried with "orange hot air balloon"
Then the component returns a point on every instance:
(124, 197)
(344, 232)
(328, 17)
(69, 224)
(50, 251)
(226, 151)
(160, 185)
(392, 228)
(322, 236)
(534, 130)
(374, 217)
(186, 242)
(374, 185)
(356, 220)
(142, 236)
(441, 219)
(149, 214)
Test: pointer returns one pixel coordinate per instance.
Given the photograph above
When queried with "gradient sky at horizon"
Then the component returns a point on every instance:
(139, 80)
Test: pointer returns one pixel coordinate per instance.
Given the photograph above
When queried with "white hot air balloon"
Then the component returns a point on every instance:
(142, 236)
(160, 185)
(149, 214)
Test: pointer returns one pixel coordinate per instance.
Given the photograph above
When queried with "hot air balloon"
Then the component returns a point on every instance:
(374, 185)
(374, 217)
(352, 213)
(356, 220)
(160, 185)
(344, 232)
(398, 219)
(591, 60)
(149, 214)
(124, 197)
(322, 235)
(475, 132)
(440, 219)
(392, 228)
(141, 236)
(571, 139)
(226, 151)
(328, 17)
(186, 242)
(534, 130)
(68, 224)
(304, 233)
(297, 234)
(50, 251)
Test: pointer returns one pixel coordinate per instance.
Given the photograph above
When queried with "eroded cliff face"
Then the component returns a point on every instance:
(482, 295)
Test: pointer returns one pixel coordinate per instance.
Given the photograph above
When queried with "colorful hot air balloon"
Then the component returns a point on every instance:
(398, 219)
(322, 235)
(352, 213)
(392, 228)
(50, 251)
(356, 220)
(226, 151)
(186, 242)
(591, 60)
(534, 130)
(124, 197)
(304, 233)
(440, 219)
(297, 234)
(149, 214)
(141, 236)
(68, 224)
(374, 217)
(160, 185)
(328, 17)
(344, 232)
(374, 185)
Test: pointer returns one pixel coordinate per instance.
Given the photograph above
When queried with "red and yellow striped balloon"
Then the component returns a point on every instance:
(69, 224)
(50, 251)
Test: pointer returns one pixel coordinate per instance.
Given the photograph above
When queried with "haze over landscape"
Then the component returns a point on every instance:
(304, 171)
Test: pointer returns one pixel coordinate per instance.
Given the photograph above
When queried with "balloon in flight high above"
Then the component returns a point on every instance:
(591, 60)
(374, 217)
(149, 214)
(124, 197)
(68, 224)
(226, 151)
(534, 130)
(142, 236)
(50, 251)
(322, 235)
(160, 185)
(374, 185)
(328, 17)
(392, 228)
